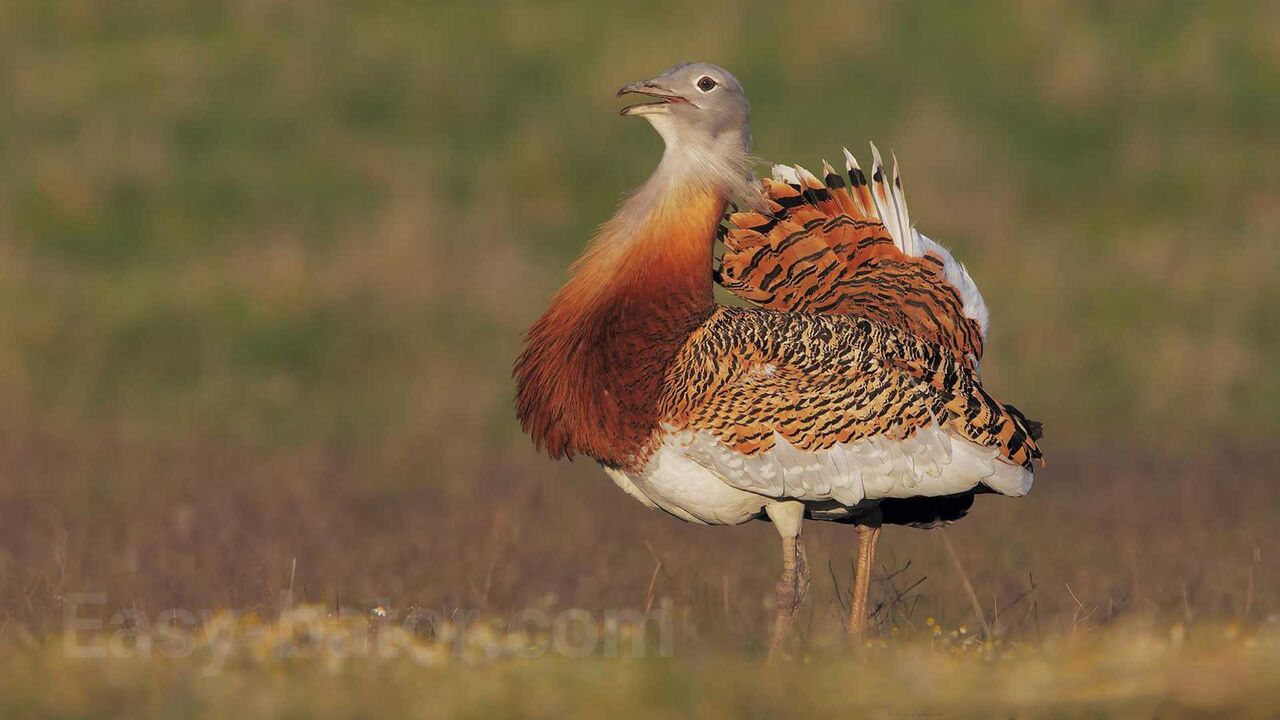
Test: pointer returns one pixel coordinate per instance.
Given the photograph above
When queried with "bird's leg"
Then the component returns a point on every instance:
(868, 529)
(794, 585)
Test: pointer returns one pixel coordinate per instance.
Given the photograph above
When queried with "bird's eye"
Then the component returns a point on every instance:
(706, 83)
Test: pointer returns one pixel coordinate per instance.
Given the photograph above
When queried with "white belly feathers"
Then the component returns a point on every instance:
(697, 478)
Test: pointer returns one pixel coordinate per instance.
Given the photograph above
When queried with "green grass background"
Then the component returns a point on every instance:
(310, 222)
(264, 267)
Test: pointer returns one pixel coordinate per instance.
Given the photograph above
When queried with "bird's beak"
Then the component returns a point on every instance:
(652, 88)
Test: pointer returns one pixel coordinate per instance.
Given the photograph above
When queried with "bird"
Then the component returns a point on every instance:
(845, 387)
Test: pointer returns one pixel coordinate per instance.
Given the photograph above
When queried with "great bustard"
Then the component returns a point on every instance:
(850, 393)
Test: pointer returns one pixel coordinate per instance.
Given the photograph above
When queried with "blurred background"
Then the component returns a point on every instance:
(264, 267)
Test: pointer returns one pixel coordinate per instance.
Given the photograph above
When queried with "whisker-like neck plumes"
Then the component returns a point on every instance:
(591, 373)
(718, 163)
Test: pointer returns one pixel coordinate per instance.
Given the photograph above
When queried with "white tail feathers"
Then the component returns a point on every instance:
(808, 180)
(899, 196)
(858, 184)
(783, 173)
(891, 205)
(882, 197)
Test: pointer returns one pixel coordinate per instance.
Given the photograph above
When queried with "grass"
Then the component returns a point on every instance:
(203, 224)
(1100, 572)
(264, 267)
(307, 664)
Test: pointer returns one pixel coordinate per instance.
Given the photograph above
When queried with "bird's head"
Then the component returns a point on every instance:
(698, 106)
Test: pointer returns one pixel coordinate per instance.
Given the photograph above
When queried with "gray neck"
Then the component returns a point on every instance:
(696, 161)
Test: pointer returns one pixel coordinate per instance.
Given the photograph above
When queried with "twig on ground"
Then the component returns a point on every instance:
(653, 580)
(836, 584)
(964, 579)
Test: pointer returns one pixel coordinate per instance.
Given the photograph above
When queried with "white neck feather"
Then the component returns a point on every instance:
(693, 164)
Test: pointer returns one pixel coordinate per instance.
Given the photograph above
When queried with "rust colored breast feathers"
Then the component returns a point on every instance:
(832, 247)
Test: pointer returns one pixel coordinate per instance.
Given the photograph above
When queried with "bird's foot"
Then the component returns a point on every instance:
(789, 595)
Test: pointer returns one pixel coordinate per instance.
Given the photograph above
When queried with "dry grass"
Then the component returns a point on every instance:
(1103, 539)
(311, 665)
(264, 266)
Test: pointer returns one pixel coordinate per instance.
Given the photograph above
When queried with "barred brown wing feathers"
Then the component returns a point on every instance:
(784, 272)
(971, 410)
(819, 395)
(837, 248)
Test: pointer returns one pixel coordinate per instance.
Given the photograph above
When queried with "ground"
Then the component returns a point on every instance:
(264, 268)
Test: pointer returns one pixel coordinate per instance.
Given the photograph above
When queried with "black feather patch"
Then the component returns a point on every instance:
(1034, 428)
(926, 512)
